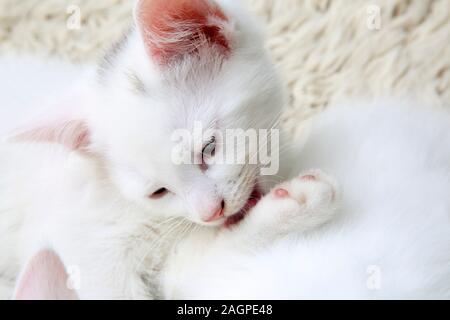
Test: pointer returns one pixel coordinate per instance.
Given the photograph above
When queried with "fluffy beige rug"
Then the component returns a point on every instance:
(326, 50)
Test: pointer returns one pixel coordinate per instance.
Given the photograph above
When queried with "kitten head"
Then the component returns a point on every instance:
(186, 63)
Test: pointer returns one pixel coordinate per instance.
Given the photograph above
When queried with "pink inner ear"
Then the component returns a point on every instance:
(44, 278)
(173, 28)
(74, 134)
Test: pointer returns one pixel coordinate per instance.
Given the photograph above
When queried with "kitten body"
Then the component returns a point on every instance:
(389, 239)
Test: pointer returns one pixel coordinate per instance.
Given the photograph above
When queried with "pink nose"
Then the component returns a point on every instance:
(218, 214)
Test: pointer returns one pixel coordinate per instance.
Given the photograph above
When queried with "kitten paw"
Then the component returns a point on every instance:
(308, 200)
(312, 188)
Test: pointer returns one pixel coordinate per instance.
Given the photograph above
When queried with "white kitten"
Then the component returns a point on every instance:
(98, 165)
(110, 207)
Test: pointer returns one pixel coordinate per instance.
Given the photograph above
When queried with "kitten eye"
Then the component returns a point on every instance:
(158, 194)
(209, 151)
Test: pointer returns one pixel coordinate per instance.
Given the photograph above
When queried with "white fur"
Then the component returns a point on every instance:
(390, 238)
(130, 158)
(391, 160)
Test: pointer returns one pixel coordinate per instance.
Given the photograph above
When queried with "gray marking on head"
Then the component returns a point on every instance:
(107, 64)
(137, 85)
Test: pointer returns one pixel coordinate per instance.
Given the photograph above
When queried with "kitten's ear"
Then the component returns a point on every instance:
(44, 278)
(72, 133)
(174, 28)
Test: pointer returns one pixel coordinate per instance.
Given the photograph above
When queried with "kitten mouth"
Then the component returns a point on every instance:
(252, 200)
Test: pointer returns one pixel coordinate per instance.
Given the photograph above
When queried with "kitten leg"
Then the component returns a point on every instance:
(299, 205)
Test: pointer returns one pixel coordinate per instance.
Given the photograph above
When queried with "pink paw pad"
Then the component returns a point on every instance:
(308, 177)
(281, 193)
